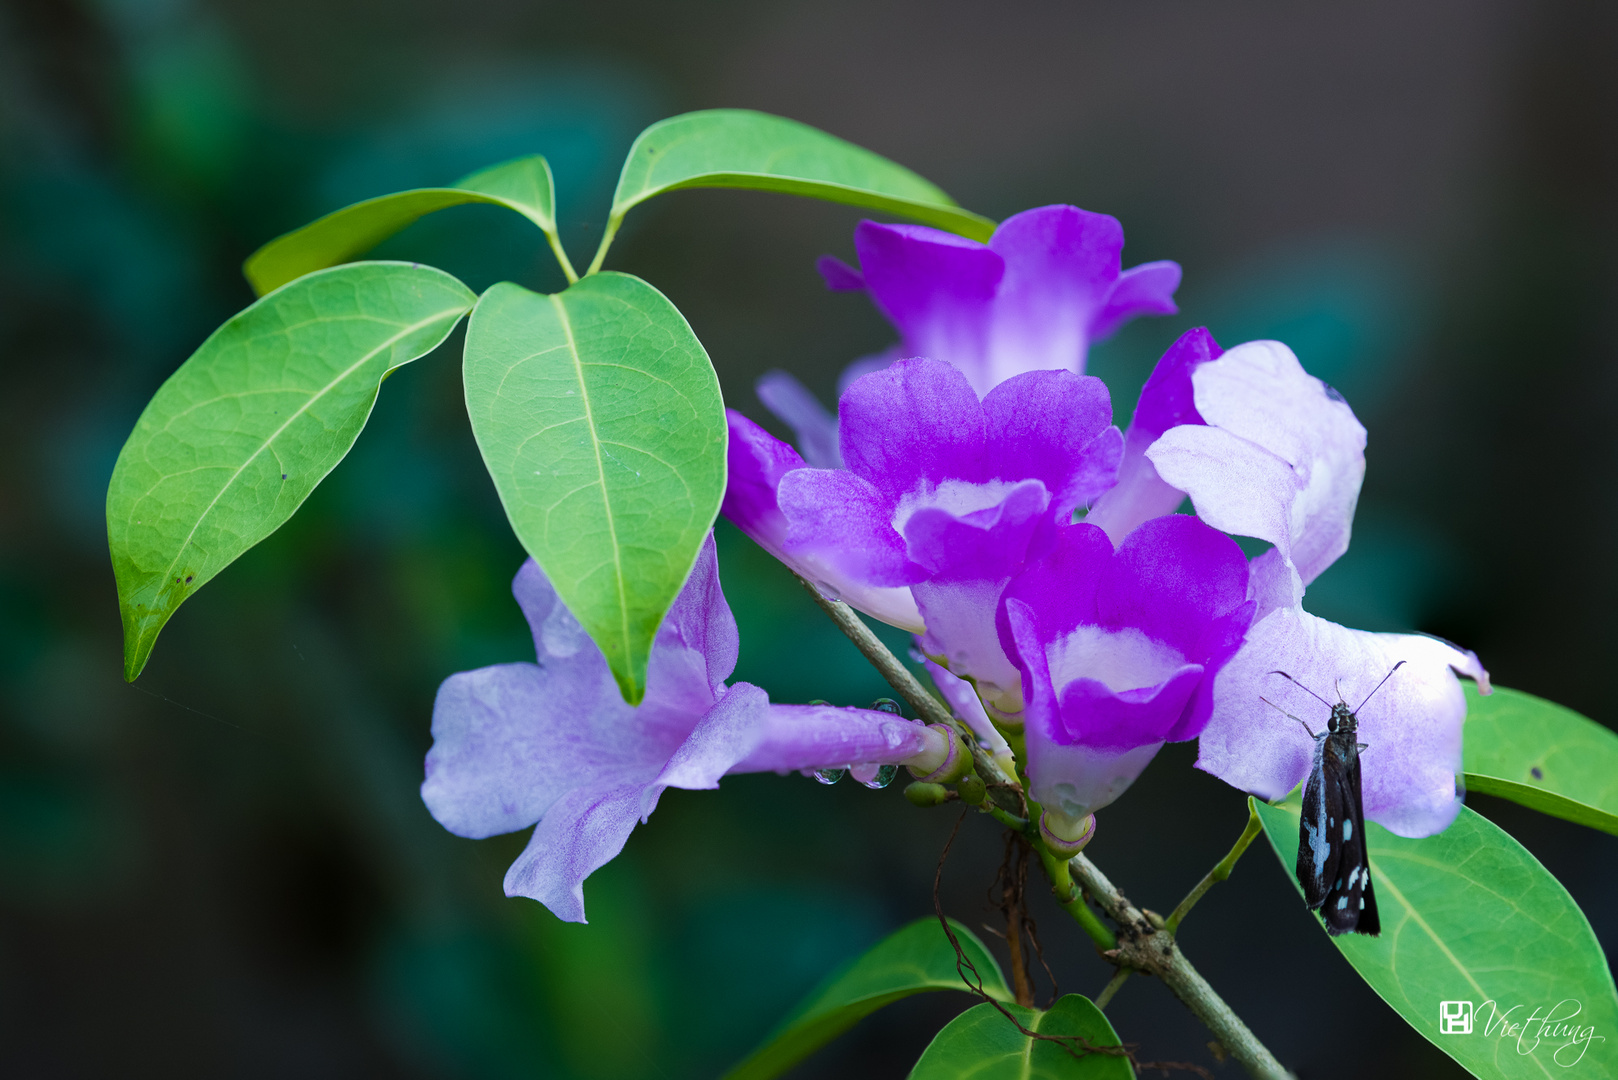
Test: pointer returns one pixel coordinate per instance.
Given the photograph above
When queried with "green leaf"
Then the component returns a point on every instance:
(600, 420)
(523, 185)
(1470, 916)
(237, 438)
(981, 1044)
(739, 148)
(913, 960)
(1541, 755)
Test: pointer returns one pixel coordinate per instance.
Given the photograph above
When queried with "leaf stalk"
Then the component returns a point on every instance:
(1218, 873)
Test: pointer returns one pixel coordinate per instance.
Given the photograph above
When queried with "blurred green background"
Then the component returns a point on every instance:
(225, 870)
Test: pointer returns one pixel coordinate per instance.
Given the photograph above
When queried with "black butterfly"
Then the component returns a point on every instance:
(1332, 864)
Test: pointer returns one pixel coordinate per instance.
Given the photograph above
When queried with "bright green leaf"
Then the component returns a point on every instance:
(1541, 755)
(914, 960)
(739, 148)
(1470, 916)
(239, 436)
(523, 185)
(600, 420)
(981, 1044)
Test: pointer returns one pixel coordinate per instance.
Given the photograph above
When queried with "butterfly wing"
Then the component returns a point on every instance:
(1322, 805)
(1350, 903)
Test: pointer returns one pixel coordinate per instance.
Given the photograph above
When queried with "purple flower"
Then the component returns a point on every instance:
(944, 496)
(554, 743)
(1118, 652)
(1047, 284)
(1280, 457)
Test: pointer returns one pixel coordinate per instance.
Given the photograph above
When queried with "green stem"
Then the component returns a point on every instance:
(1072, 900)
(1105, 997)
(606, 242)
(561, 256)
(1151, 950)
(1218, 873)
(928, 707)
(1139, 944)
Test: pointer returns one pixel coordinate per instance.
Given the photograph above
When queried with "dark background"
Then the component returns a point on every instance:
(225, 870)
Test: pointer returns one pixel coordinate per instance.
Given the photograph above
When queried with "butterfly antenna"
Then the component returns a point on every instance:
(1379, 685)
(1288, 715)
(1304, 688)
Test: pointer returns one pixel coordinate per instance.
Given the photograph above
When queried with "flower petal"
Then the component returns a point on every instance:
(1047, 425)
(1286, 421)
(911, 425)
(840, 527)
(960, 617)
(730, 731)
(964, 702)
(581, 833)
(1147, 289)
(757, 461)
(937, 288)
(800, 410)
(839, 276)
(1411, 726)
(990, 543)
(500, 758)
(1061, 263)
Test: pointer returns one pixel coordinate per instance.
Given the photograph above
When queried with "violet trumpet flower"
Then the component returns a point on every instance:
(1280, 457)
(1048, 283)
(1118, 652)
(554, 743)
(944, 496)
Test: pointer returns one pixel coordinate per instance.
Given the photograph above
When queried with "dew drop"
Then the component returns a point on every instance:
(888, 705)
(884, 776)
(829, 776)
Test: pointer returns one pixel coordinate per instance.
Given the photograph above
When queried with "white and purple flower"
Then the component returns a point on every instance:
(1119, 650)
(944, 499)
(554, 742)
(1279, 456)
(1049, 282)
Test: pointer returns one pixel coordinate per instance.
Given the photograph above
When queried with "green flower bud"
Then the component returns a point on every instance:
(1064, 836)
(924, 795)
(945, 760)
(972, 790)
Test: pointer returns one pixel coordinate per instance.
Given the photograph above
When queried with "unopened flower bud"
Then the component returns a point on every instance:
(972, 790)
(945, 758)
(1065, 836)
(925, 795)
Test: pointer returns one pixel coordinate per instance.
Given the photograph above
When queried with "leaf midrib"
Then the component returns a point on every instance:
(601, 469)
(1413, 915)
(277, 433)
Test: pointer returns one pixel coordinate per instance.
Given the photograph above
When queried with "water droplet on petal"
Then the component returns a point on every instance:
(884, 776)
(829, 776)
(888, 705)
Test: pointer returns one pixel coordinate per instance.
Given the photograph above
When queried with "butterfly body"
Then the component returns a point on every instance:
(1334, 865)
(1333, 868)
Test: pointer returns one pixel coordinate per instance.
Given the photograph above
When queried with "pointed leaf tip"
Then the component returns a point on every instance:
(236, 439)
(741, 148)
